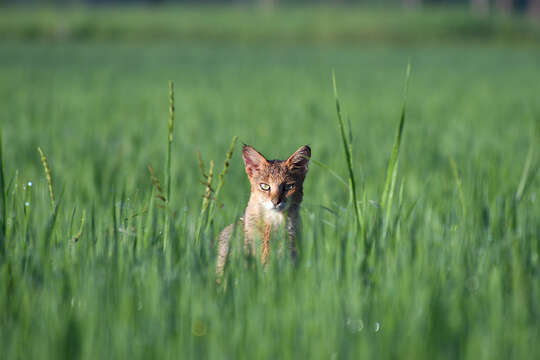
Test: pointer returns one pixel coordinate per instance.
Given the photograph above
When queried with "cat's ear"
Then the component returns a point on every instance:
(253, 160)
(298, 162)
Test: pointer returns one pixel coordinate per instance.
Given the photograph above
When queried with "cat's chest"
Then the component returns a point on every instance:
(274, 218)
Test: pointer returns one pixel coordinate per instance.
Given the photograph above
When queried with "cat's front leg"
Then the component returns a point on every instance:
(267, 233)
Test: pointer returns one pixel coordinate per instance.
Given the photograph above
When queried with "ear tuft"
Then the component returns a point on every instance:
(253, 160)
(299, 161)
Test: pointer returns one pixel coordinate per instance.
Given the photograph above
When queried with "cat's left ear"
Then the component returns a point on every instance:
(298, 162)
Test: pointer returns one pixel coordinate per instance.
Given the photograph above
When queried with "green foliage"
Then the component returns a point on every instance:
(441, 282)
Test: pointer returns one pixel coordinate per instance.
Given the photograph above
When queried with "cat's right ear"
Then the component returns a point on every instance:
(253, 160)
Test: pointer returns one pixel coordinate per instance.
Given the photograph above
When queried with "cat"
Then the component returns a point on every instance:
(274, 202)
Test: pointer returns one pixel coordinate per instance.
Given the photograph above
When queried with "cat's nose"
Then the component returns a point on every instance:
(276, 202)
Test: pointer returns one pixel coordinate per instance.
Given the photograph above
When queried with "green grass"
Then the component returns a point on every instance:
(455, 276)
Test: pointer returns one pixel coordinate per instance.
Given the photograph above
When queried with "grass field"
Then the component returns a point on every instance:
(449, 269)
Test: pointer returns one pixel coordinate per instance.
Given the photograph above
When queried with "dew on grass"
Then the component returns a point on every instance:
(354, 325)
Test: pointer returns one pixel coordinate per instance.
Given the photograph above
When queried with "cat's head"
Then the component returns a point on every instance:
(275, 184)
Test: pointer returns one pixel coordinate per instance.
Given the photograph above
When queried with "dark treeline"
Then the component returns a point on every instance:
(479, 6)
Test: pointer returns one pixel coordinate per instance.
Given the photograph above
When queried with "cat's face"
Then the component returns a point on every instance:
(276, 184)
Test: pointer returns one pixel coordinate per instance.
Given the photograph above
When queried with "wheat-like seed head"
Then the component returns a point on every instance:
(48, 175)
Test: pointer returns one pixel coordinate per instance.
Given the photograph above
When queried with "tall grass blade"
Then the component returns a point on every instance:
(149, 225)
(168, 166)
(51, 224)
(391, 174)
(170, 138)
(526, 175)
(330, 171)
(27, 208)
(205, 202)
(392, 165)
(221, 182)
(348, 157)
(410, 210)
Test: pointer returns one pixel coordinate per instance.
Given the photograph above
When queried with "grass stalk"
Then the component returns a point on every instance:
(48, 175)
(168, 166)
(79, 233)
(156, 184)
(51, 225)
(27, 208)
(205, 202)
(149, 224)
(393, 164)
(526, 175)
(347, 148)
(170, 138)
(201, 165)
(221, 182)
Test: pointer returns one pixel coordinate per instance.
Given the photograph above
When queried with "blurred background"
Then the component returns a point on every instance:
(322, 20)
(457, 274)
(260, 68)
(481, 6)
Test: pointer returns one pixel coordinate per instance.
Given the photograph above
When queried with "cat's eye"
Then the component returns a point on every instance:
(264, 187)
(289, 186)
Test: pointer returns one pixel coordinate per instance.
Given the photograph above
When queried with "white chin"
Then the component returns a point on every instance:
(274, 216)
(269, 206)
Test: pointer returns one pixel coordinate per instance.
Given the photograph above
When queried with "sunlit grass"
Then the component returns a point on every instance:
(452, 270)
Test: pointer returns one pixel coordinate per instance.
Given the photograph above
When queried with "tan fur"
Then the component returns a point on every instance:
(270, 209)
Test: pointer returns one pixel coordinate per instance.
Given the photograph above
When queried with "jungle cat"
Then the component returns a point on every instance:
(274, 202)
